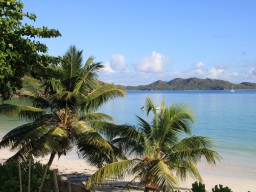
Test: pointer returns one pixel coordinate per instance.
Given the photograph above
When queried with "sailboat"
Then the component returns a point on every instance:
(232, 90)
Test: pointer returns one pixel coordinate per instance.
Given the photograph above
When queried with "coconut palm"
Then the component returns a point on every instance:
(64, 116)
(161, 154)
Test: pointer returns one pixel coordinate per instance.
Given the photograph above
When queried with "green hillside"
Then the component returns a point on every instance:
(192, 84)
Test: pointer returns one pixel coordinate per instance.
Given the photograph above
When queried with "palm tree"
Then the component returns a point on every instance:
(163, 155)
(64, 115)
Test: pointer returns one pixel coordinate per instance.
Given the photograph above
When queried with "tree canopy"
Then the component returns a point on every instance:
(20, 50)
(64, 115)
(160, 153)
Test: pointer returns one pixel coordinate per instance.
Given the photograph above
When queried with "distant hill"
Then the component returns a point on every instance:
(192, 84)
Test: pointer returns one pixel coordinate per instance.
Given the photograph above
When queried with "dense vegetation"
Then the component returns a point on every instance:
(64, 115)
(192, 84)
(9, 177)
(21, 52)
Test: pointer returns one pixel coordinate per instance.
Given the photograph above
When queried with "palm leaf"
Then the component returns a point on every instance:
(145, 127)
(100, 96)
(72, 62)
(193, 149)
(87, 78)
(87, 139)
(183, 169)
(162, 175)
(181, 117)
(96, 116)
(21, 111)
(111, 170)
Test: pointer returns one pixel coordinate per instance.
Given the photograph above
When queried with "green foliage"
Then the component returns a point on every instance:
(198, 187)
(63, 115)
(20, 50)
(31, 84)
(192, 84)
(220, 188)
(9, 177)
(162, 155)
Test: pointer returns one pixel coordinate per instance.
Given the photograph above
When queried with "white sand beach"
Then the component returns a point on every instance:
(237, 180)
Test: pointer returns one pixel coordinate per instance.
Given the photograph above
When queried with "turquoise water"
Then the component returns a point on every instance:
(229, 119)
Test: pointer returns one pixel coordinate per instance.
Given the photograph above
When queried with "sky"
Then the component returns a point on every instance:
(142, 41)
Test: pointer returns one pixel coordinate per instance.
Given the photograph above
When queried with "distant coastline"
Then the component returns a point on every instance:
(192, 84)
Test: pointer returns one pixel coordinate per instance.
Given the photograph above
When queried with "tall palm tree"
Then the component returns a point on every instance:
(163, 155)
(64, 116)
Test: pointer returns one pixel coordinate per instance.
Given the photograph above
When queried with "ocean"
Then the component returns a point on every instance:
(228, 118)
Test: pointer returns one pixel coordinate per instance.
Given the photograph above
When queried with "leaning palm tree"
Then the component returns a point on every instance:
(64, 115)
(161, 154)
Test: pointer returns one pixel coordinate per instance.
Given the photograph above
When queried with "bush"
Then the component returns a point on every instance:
(220, 188)
(9, 176)
(198, 187)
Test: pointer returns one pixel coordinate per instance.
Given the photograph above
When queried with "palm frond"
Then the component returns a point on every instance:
(80, 127)
(90, 69)
(125, 137)
(193, 149)
(33, 135)
(57, 140)
(88, 139)
(181, 117)
(185, 169)
(20, 111)
(144, 126)
(97, 154)
(111, 170)
(96, 116)
(87, 78)
(18, 133)
(150, 106)
(21, 155)
(111, 130)
(162, 175)
(52, 86)
(36, 99)
(91, 139)
(72, 62)
(100, 96)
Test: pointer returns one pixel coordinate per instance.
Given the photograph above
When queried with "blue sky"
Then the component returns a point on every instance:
(142, 41)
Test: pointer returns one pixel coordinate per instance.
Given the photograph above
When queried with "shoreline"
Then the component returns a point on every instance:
(236, 179)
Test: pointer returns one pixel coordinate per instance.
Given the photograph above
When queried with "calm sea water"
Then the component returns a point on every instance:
(229, 119)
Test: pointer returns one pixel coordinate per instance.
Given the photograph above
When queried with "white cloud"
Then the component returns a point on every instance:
(153, 63)
(117, 62)
(215, 72)
(253, 71)
(107, 68)
(156, 63)
(199, 64)
(199, 70)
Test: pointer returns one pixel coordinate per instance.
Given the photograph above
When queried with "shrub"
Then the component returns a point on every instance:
(9, 176)
(220, 188)
(198, 187)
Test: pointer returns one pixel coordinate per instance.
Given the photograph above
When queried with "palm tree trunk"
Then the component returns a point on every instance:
(66, 114)
(29, 173)
(56, 186)
(20, 176)
(46, 169)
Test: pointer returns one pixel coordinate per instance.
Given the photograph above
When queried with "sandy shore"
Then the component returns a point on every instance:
(236, 179)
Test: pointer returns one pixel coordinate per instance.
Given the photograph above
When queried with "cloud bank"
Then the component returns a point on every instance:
(154, 67)
(152, 64)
